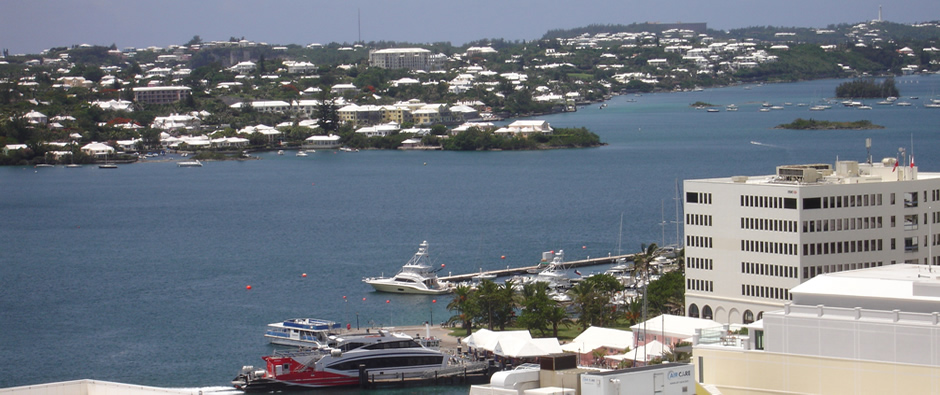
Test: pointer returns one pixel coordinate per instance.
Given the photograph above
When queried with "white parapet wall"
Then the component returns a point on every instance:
(94, 387)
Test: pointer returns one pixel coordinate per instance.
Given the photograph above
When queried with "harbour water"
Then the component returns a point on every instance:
(139, 274)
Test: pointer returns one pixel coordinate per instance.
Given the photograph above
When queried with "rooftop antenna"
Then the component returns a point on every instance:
(359, 21)
(868, 148)
(879, 12)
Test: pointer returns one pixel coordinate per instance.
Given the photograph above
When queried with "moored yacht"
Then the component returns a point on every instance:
(302, 332)
(382, 354)
(416, 277)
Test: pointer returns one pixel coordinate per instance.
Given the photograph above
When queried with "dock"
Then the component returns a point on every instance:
(456, 278)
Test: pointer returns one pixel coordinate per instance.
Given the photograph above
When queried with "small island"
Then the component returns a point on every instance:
(812, 124)
(701, 104)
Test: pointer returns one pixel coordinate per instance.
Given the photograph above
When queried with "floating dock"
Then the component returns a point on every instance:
(456, 278)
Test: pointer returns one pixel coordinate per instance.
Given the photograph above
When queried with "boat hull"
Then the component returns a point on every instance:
(403, 289)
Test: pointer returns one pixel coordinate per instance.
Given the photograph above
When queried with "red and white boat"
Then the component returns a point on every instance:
(383, 354)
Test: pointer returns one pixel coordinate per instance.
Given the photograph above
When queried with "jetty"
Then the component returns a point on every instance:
(456, 278)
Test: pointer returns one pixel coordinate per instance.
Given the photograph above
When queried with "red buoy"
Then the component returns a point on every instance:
(303, 275)
(502, 257)
(248, 287)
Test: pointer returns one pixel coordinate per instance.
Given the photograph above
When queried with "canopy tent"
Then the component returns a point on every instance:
(642, 354)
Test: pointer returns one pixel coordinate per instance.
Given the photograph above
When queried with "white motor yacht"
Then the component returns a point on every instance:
(303, 332)
(416, 277)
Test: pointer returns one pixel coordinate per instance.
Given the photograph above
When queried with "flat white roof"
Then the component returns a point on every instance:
(907, 287)
(161, 88)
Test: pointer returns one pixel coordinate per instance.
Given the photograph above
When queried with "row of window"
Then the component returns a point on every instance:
(698, 197)
(692, 284)
(843, 247)
(698, 241)
(775, 225)
(769, 247)
(698, 263)
(812, 271)
(698, 219)
(873, 199)
(766, 269)
(840, 224)
(760, 291)
(768, 202)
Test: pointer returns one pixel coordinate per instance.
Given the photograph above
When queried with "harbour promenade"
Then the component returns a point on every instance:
(456, 278)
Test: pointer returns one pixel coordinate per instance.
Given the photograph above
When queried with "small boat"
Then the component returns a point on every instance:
(383, 355)
(817, 108)
(107, 166)
(903, 104)
(416, 277)
(73, 165)
(765, 109)
(302, 332)
(189, 163)
(301, 153)
(731, 107)
(280, 152)
(864, 107)
(347, 149)
(44, 165)
(712, 110)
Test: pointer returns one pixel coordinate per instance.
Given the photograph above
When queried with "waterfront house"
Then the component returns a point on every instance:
(525, 128)
(322, 142)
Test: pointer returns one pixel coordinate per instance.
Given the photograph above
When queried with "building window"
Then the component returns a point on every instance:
(812, 203)
(693, 310)
(748, 317)
(707, 312)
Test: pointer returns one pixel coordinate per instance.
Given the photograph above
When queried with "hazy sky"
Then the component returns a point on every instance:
(29, 26)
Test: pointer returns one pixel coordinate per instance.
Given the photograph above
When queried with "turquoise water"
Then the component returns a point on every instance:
(139, 274)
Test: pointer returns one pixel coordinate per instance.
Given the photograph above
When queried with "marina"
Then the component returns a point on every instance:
(607, 260)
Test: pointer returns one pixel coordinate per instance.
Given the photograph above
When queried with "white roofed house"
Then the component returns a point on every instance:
(97, 149)
(379, 130)
(243, 67)
(36, 117)
(525, 128)
(322, 142)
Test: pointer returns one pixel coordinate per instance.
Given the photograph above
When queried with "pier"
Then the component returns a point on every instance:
(456, 278)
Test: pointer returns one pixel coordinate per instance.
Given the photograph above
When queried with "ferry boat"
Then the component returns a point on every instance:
(302, 332)
(383, 354)
(416, 277)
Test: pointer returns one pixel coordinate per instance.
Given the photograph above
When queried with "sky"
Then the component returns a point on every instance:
(29, 26)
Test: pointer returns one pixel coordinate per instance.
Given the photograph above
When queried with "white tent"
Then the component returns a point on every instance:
(642, 354)
(596, 337)
(519, 348)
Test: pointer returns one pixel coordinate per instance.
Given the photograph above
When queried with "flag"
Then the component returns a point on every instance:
(577, 272)
(912, 161)
(895, 166)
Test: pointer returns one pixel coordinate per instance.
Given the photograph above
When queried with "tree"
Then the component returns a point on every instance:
(464, 307)
(487, 297)
(196, 40)
(327, 113)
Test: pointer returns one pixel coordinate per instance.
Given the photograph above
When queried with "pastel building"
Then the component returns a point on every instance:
(406, 58)
(866, 331)
(750, 240)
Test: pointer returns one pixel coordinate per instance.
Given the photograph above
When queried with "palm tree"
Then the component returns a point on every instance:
(506, 304)
(556, 315)
(463, 304)
(488, 298)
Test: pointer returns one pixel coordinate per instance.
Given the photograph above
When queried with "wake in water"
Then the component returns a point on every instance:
(765, 145)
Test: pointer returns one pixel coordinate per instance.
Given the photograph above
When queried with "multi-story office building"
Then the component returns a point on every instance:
(161, 94)
(749, 240)
(406, 58)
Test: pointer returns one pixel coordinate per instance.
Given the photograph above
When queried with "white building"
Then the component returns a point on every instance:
(161, 94)
(525, 128)
(869, 331)
(749, 240)
(406, 58)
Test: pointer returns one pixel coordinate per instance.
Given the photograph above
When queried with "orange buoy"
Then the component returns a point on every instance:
(583, 247)
(248, 287)
(502, 257)
(303, 275)
(388, 301)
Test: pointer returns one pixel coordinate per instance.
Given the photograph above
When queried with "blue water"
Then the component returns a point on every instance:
(139, 274)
